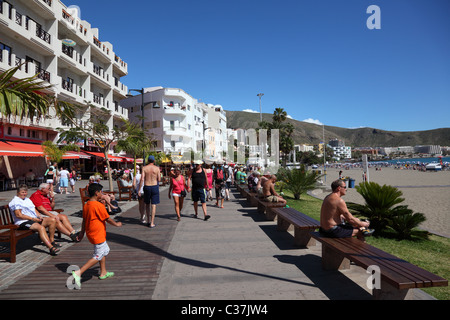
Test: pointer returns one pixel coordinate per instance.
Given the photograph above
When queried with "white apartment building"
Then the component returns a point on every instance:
(178, 122)
(33, 34)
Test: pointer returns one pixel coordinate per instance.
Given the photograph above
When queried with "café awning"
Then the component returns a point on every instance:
(110, 157)
(72, 155)
(18, 149)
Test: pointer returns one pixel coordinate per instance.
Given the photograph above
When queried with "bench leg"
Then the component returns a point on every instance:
(389, 292)
(302, 238)
(331, 260)
(270, 215)
(282, 225)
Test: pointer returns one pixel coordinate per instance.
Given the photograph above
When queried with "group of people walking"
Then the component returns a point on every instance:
(199, 182)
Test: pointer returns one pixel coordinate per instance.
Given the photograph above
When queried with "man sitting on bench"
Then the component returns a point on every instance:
(334, 211)
(269, 193)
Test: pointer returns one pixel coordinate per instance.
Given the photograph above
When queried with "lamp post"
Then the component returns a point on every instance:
(260, 109)
(204, 142)
(141, 91)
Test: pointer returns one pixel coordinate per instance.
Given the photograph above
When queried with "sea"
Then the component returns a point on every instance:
(414, 160)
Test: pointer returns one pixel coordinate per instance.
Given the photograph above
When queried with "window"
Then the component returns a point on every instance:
(7, 48)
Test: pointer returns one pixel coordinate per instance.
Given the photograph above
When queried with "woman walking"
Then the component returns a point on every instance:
(177, 190)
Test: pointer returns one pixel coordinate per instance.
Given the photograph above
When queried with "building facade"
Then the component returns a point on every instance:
(47, 38)
(178, 122)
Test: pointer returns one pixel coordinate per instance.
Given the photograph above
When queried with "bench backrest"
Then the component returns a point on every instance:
(6, 217)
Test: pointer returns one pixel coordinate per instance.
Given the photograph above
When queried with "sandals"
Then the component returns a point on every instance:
(106, 276)
(54, 251)
(56, 245)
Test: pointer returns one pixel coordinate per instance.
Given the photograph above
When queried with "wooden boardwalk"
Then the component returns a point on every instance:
(136, 256)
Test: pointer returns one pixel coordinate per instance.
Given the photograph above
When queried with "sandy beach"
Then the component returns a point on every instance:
(426, 192)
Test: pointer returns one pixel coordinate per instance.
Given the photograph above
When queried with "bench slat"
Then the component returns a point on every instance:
(297, 218)
(399, 273)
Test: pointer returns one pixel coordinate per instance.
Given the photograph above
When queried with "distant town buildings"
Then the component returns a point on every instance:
(340, 150)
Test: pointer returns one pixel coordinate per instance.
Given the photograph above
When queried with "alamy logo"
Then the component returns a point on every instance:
(70, 282)
(374, 21)
(256, 144)
(374, 280)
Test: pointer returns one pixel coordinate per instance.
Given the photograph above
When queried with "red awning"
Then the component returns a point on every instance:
(110, 157)
(18, 149)
(97, 154)
(75, 155)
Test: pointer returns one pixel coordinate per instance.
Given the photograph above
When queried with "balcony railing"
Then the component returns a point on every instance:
(66, 85)
(67, 50)
(49, 2)
(43, 74)
(42, 34)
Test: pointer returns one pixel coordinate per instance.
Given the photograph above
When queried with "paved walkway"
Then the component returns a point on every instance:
(235, 255)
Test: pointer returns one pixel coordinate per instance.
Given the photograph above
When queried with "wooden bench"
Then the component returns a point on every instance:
(84, 197)
(397, 276)
(9, 232)
(266, 207)
(240, 188)
(303, 225)
(124, 192)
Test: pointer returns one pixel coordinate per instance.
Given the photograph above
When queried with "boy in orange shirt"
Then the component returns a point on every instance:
(94, 218)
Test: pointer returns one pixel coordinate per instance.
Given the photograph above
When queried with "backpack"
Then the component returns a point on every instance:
(219, 175)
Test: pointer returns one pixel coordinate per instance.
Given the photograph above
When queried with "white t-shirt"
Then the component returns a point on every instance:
(26, 205)
(64, 174)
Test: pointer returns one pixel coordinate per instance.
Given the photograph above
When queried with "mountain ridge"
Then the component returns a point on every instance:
(310, 133)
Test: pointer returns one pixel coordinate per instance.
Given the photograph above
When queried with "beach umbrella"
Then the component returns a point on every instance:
(69, 42)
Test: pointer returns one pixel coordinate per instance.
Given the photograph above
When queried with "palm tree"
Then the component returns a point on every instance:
(133, 140)
(383, 210)
(27, 97)
(298, 181)
(279, 115)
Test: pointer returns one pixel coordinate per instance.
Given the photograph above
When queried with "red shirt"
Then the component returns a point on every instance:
(41, 200)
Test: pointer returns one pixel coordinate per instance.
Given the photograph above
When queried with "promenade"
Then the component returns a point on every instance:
(236, 255)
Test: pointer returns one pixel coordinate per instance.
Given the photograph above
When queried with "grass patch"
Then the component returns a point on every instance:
(432, 255)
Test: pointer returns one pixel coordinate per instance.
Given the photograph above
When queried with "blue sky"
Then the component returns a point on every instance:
(315, 58)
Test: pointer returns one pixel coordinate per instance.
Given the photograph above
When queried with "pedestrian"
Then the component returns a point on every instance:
(94, 218)
(228, 181)
(209, 177)
(198, 178)
(72, 179)
(150, 178)
(50, 177)
(63, 180)
(220, 175)
(139, 190)
(177, 190)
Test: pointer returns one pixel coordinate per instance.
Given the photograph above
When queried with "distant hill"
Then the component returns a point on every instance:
(308, 133)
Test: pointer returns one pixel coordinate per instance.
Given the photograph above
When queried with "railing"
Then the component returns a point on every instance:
(42, 34)
(49, 2)
(66, 85)
(97, 42)
(67, 16)
(43, 74)
(67, 50)
(18, 18)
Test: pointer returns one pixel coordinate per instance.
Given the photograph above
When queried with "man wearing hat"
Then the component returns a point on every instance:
(150, 178)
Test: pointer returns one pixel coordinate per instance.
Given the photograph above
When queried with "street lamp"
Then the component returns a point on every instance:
(260, 109)
(204, 142)
(141, 91)
(154, 105)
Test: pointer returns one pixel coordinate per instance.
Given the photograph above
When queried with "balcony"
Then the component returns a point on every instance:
(177, 131)
(175, 109)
